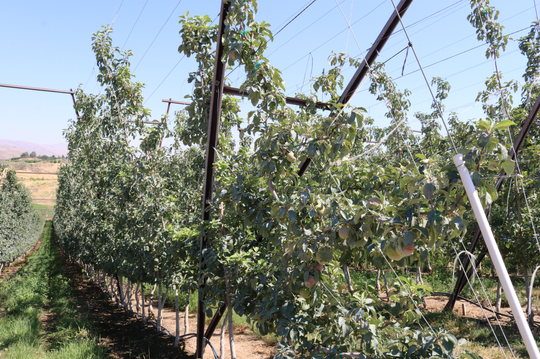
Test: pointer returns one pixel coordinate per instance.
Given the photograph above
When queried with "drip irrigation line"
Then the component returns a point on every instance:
(294, 18)
(133, 27)
(162, 26)
(161, 83)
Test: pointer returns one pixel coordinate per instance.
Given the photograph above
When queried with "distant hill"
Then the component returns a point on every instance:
(10, 149)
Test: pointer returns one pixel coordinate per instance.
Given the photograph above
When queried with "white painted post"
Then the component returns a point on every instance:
(495, 254)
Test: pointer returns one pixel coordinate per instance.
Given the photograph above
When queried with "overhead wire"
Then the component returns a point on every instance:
(434, 100)
(161, 83)
(136, 21)
(162, 26)
(294, 18)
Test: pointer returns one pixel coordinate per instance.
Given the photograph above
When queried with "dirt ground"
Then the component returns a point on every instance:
(128, 337)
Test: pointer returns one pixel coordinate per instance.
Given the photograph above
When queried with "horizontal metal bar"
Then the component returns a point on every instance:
(177, 102)
(290, 100)
(36, 89)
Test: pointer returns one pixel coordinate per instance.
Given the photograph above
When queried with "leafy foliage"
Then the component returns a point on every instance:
(20, 224)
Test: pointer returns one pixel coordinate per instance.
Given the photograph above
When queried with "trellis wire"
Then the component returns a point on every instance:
(447, 130)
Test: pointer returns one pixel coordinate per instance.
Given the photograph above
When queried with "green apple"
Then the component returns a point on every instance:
(344, 232)
(304, 293)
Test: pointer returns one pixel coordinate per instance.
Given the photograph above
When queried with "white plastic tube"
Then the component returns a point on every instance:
(496, 257)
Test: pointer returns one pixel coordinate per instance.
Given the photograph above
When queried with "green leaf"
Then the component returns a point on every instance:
(292, 215)
(508, 167)
(503, 125)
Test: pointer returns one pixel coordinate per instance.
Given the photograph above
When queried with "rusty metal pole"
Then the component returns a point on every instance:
(465, 272)
(74, 104)
(345, 98)
(362, 70)
(169, 105)
(211, 145)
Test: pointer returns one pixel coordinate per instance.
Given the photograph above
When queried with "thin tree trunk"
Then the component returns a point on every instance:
(186, 314)
(499, 296)
(143, 304)
(222, 337)
(161, 303)
(120, 288)
(158, 322)
(151, 297)
(386, 285)
(177, 336)
(530, 310)
(229, 314)
(138, 306)
(347, 277)
(378, 281)
(419, 275)
(128, 296)
(1, 267)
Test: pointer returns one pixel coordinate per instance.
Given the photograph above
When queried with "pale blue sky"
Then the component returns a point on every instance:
(48, 44)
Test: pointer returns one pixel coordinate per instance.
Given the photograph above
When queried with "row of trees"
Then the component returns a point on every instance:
(43, 157)
(280, 245)
(20, 224)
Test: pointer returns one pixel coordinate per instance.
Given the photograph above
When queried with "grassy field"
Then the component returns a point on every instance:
(37, 318)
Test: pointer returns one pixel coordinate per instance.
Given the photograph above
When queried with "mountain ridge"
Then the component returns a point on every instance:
(13, 148)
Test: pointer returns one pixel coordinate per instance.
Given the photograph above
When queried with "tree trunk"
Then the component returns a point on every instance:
(419, 275)
(143, 304)
(530, 310)
(347, 277)
(222, 337)
(120, 289)
(499, 296)
(138, 306)
(1, 267)
(177, 336)
(186, 314)
(229, 314)
(386, 285)
(150, 307)
(378, 281)
(161, 303)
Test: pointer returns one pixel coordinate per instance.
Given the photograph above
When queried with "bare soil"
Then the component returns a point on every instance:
(128, 337)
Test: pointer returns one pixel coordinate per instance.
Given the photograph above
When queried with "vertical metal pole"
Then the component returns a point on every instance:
(211, 145)
(496, 257)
